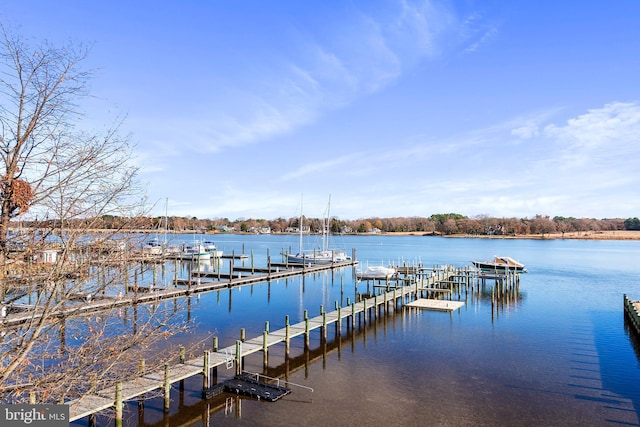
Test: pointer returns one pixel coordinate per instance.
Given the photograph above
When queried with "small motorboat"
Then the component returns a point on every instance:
(500, 263)
(212, 249)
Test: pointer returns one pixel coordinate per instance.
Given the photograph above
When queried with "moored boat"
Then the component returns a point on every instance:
(500, 263)
(318, 257)
(325, 255)
(191, 253)
(376, 272)
(212, 249)
(153, 247)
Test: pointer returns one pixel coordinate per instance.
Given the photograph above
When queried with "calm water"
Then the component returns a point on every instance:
(558, 355)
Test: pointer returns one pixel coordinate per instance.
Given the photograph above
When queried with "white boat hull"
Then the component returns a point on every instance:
(319, 257)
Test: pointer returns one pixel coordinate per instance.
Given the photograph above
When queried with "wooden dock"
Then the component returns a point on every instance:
(632, 311)
(18, 314)
(417, 284)
(233, 355)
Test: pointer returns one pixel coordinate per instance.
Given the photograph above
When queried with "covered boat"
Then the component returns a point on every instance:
(500, 263)
(377, 272)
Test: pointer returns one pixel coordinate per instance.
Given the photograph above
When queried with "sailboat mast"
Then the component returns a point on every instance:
(300, 225)
(164, 228)
(326, 226)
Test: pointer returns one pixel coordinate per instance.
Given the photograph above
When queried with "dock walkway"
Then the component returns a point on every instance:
(233, 355)
(632, 310)
(15, 315)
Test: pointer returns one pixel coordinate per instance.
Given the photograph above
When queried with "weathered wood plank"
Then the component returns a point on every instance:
(87, 405)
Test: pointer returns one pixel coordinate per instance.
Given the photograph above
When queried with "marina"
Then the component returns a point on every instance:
(138, 294)
(233, 355)
(407, 287)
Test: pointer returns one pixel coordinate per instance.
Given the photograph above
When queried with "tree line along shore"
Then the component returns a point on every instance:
(454, 225)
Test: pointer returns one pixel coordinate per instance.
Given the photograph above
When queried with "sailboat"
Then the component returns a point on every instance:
(155, 246)
(325, 255)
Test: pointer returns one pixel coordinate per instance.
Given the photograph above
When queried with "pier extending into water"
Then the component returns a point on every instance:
(632, 311)
(414, 285)
(410, 284)
(16, 314)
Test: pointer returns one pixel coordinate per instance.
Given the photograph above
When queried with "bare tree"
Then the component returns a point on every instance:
(70, 178)
(541, 224)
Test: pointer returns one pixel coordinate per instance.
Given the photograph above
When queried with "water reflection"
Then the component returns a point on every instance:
(188, 408)
(551, 352)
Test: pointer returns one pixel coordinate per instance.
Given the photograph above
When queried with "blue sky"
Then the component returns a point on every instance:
(394, 108)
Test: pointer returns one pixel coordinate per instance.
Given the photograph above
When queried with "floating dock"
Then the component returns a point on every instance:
(436, 304)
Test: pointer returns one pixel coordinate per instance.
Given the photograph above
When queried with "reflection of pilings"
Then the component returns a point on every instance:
(202, 409)
(131, 295)
(241, 349)
(325, 348)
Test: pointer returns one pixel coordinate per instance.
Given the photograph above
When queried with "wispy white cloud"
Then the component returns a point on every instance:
(527, 131)
(475, 31)
(589, 162)
(617, 123)
(483, 38)
(599, 147)
(317, 168)
(364, 54)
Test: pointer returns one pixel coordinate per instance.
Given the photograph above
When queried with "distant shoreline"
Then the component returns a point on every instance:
(574, 235)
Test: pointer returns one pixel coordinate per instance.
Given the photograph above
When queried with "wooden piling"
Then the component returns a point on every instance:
(167, 388)
(286, 339)
(268, 264)
(118, 404)
(306, 329)
(324, 325)
(353, 316)
(206, 371)
(238, 357)
(265, 349)
(375, 305)
(214, 374)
